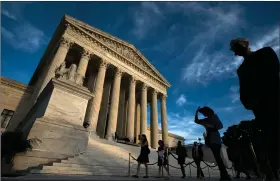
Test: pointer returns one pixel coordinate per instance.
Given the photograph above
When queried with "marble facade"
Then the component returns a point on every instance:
(116, 79)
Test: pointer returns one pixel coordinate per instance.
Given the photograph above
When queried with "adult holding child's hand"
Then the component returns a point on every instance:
(212, 124)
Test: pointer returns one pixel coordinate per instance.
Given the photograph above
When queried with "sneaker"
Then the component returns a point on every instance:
(184, 176)
(135, 176)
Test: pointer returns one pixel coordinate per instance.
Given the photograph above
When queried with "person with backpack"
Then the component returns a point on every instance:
(212, 124)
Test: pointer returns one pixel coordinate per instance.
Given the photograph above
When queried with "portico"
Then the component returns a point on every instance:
(121, 79)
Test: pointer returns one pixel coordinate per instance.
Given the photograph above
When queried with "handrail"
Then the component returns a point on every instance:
(185, 165)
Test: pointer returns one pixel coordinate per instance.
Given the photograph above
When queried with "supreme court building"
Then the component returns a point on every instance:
(88, 83)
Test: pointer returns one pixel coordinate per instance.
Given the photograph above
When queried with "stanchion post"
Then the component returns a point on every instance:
(190, 170)
(129, 164)
(208, 171)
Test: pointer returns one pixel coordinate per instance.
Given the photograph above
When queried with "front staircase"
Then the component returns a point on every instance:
(109, 158)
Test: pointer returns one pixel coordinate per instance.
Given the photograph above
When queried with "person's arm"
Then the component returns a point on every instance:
(204, 122)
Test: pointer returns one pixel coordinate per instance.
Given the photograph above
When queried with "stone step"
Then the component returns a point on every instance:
(115, 170)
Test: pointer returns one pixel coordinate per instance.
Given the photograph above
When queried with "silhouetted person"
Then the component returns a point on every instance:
(259, 91)
(197, 155)
(143, 158)
(162, 158)
(212, 124)
(182, 154)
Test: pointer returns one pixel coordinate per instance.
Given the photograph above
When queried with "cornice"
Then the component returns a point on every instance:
(17, 85)
(82, 27)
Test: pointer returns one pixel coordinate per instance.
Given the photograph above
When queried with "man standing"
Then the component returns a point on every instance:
(259, 91)
(197, 155)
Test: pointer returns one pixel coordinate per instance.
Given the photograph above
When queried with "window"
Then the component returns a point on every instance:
(6, 116)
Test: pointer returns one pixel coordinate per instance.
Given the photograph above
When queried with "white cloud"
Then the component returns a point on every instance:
(8, 14)
(181, 100)
(184, 126)
(23, 35)
(145, 18)
(207, 66)
(234, 93)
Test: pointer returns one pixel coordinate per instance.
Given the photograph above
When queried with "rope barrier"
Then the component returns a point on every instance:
(185, 164)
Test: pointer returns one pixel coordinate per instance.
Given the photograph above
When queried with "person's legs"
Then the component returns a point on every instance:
(183, 170)
(146, 167)
(159, 170)
(197, 168)
(200, 169)
(138, 169)
(216, 149)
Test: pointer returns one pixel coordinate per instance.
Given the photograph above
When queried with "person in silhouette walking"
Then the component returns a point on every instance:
(162, 158)
(143, 158)
(197, 155)
(212, 124)
(259, 91)
(182, 154)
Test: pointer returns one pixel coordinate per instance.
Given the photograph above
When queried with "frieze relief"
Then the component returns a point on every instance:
(124, 51)
(104, 50)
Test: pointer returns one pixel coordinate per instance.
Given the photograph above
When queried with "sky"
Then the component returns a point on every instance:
(188, 42)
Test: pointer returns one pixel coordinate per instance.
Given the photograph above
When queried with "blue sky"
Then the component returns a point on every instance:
(188, 42)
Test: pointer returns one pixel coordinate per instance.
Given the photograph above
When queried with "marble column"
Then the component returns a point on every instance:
(143, 122)
(131, 110)
(57, 60)
(125, 118)
(137, 122)
(114, 108)
(121, 115)
(82, 68)
(154, 121)
(93, 109)
(164, 125)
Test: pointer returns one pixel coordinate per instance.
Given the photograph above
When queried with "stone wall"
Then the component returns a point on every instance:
(12, 95)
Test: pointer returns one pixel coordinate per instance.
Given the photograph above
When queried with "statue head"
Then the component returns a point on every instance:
(240, 46)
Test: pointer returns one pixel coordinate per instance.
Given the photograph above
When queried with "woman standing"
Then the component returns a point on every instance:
(143, 158)
(212, 124)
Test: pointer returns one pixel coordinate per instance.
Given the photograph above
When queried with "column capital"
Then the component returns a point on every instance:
(163, 97)
(103, 63)
(65, 42)
(154, 92)
(119, 72)
(132, 80)
(86, 54)
(144, 86)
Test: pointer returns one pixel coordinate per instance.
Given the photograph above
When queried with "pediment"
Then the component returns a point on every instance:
(123, 48)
